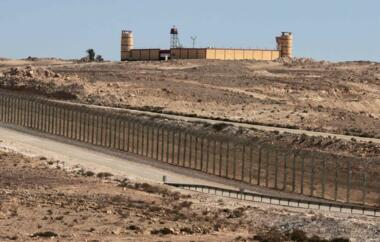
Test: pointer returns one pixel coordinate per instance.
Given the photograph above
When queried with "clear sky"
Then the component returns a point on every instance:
(323, 29)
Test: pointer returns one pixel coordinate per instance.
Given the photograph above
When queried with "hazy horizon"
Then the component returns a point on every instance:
(323, 30)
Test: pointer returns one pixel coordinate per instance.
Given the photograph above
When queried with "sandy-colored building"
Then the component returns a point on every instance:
(128, 53)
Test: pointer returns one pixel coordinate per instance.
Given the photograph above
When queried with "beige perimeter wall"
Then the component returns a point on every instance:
(140, 54)
(202, 53)
(241, 54)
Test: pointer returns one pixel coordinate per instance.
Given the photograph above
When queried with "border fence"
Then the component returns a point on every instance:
(315, 174)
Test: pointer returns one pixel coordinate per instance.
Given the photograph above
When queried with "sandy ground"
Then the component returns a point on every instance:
(40, 200)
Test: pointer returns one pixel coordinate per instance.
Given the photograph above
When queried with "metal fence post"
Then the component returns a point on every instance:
(250, 176)
(31, 105)
(36, 114)
(227, 158)
(259, 166)
(196, 153)
(109, 131)
(65, 122)
(116, 134)
(294, 172)
(133, 136)
(88, 126)
(312, 175)
(184, 149)
(157, 142)
(323, 177)
(285, 172)
(234, 161)
(53, 117)
(129, 136)
(61, 121)
(202, 149)
(243, 163)
(336, 181)
(102, 130)
(167, 145)
(142, 139)
(152, 146)
(44, 116)
(364, 188)
(220, 157)
(214, 158)
(179, 147)
(208, 155)
(2, 108)
(147, 141)
(11, 108)
(267, 169)
(94, 117)
(18, 110)
(302, 172)
(79, 121)
(190, 150)
(173, 146)
(276, 170)
(162, 143)
(124, 130)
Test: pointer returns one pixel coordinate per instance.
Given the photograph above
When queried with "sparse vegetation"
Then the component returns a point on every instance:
(99, 58)
(104, 175)
(91, 54)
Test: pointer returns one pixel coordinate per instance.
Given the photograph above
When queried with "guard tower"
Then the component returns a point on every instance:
(127, 39)
(285, 44)
(126, 43)
(174, 38)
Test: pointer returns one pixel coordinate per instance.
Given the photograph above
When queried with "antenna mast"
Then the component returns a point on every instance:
(194, 39)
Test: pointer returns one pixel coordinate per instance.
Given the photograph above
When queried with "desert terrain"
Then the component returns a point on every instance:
(337, 98)
(334, 97)
(42, 199)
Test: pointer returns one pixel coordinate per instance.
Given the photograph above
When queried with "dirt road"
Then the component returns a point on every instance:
(90, 159)
(97, 159)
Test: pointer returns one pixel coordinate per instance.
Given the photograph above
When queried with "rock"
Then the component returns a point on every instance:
(163, 231)
(134, 228)
(116, 231)
(187, 230)
(46, 234)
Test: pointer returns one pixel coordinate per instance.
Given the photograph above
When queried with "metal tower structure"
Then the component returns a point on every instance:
(174, 38)
(194, 39)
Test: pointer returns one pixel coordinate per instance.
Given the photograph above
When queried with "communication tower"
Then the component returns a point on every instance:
(194, 39)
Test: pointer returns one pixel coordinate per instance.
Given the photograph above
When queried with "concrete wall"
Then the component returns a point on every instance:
(140, 54)
(202, 53)
(188, 53)
(241, 54)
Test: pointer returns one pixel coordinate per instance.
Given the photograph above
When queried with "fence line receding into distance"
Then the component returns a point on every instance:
(315, 174)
